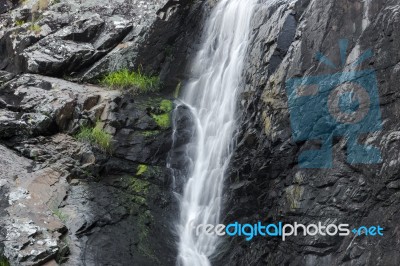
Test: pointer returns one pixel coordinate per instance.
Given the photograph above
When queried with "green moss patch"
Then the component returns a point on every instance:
(163, 117)
(166, 106)
(142, 168)
(144, 220)
(139, 188)
(150, 133)
(162, 120)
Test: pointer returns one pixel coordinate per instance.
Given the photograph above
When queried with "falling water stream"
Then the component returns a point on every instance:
(211, 94)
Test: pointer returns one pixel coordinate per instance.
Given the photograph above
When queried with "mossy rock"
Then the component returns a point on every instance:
(162, 120)
(150, 133)
(139, 186)
(160, 109)
(148, 172)
(142, 168)
(144, 220)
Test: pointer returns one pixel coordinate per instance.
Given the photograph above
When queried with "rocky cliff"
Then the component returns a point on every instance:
(266, 182)
(66, 199)
(72, 202)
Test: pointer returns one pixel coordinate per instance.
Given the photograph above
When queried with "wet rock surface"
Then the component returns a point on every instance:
(86, 39)
(64, 200)
(266, 183)
(70, 202)
(63, 37)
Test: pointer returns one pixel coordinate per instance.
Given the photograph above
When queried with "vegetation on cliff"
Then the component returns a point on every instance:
(163, 119)
(96, 136)
(125, 79)
(4, 261)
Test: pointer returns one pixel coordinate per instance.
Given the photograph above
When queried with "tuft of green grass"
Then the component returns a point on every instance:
(36, 28)
(4, 261)
(124, 79)
(96, 136)
(19, 23)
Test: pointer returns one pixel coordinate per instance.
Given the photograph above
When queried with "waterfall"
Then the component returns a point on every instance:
(211, 94)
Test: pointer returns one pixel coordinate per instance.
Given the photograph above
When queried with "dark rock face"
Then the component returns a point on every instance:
(69, 202)
(86, 40)
(265, 181)
(7, 5)
(90, 207)
(66, 201)
(64, 38)
(181, 155)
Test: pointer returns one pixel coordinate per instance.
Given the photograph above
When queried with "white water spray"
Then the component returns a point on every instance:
(211, 95)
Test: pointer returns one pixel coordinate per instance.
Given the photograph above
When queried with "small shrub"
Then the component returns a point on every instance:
(96, 136)
(124, 79)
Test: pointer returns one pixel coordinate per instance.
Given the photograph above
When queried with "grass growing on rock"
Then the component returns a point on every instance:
(35, 28)
(96, 136)
(4, 261)
(124, 79)
(19, 22)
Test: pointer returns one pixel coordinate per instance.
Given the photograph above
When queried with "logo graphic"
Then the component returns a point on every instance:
(344, 104)
(284, 230)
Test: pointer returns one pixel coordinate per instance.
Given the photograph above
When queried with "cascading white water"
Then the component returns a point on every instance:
(211, 94)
